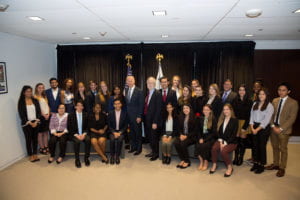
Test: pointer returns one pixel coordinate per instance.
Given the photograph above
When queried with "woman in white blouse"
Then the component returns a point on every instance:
(40, 95)
(58, 128)
(30, 114)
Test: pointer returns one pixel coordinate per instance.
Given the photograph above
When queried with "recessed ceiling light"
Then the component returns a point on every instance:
(35, 18)
(253, 13)
(86, 38)
(297, 11)
(3, 7)
(249, 35)
(159, 13)
(164, 36)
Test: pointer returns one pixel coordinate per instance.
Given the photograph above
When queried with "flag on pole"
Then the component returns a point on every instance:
(160, 74)
(128, 57)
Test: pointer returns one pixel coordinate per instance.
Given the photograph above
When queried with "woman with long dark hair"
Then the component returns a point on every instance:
(185, 98)
(242, 107)
(260, 118)
(30, 114)
(116, 94)
(67, 95)
(40, 95)
(188, 128)
(169, 133)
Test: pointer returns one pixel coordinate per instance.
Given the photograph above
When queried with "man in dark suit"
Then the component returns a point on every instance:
(135, 104)
(117, 125)
(168, 95)
(152, 117)
(228, 95)
(286, 110)
(53, 95)
(78, 132)
(90, 96)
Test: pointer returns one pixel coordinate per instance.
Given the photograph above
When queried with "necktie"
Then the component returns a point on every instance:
(80, 124)
(146, 104)
(278, 113)
(164, 96)
(129, 94)
(224, 97)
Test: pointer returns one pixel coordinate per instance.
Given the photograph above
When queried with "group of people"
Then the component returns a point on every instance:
(215, 122)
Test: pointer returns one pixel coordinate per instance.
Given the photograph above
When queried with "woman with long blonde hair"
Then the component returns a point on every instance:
(177, 85)
(103, 97)
(227, 141)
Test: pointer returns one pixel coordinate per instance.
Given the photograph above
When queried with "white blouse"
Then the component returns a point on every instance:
(31, 112)
(44, 106)
(169, 125)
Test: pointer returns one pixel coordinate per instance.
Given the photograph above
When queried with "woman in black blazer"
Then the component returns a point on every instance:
(188, 128)
(227, 140)
(169, 132)
(30, 114)
(80, 95)
(215, 100)
(206, 137)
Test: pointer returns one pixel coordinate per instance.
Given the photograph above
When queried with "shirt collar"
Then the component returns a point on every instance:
(285, 98)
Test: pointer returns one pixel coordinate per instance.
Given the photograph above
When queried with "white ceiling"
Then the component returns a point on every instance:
(132, 20)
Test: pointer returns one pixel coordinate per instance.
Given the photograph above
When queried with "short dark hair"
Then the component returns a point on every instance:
(79, 101)
(228, 80)
(285, 84)
(52, 79)
(164, 77)
(117, 99)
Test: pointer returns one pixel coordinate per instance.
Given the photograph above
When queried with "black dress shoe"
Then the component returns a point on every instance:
(149, 155)
(178, 166)
(77, 163)
(228, 175)
(260, 169)
(49, 161)
(164, 159)
(131, 151)
(87, 162)
(184, 167)
(153, 158)
(254, 167)
(168, 161)
(112, 160)
(212, 172)
(117, 160)
(137, 153)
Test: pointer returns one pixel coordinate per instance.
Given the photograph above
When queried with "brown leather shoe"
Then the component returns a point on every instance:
(280, 173)
(272, 167)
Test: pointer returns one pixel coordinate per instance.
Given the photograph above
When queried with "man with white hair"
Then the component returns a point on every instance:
(134, 105)
(152, 118)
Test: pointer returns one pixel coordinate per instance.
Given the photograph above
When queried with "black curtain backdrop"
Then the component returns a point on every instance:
(209, 62)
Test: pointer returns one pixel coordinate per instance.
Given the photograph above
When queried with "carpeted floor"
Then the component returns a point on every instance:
(138, 178)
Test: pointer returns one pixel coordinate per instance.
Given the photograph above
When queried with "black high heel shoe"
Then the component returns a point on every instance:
(49, 161)
(228, 175)
(212, 172)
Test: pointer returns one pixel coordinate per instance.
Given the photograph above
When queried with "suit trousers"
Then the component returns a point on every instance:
(280, 149)
(259, 146)
(87, 141)
(62, 144)
(116, 145)
(182, 148)
(31, 139)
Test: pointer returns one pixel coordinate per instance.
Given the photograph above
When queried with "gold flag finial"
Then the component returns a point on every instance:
(159, 57)
(128, 57)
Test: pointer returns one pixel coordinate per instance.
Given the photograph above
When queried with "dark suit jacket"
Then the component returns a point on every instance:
(77, 98)
(198, 103)
(193, 126)
(217, 106)
(232, 95)
(90, 101)
(23, 111)
(171, 98)
(135, 106)
(53, 104)
(175, 132)
(123, 123)
(73, 126)
(230, 131)
(212, 132)
(154, 109)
